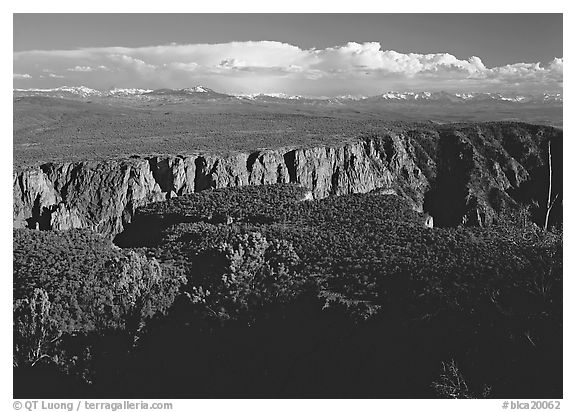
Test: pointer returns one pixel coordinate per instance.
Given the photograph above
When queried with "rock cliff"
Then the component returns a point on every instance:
(459, 174)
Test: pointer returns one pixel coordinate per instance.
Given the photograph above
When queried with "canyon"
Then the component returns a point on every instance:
(457, 173)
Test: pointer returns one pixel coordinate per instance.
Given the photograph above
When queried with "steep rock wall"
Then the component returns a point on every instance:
(103, 196)
(452, 172)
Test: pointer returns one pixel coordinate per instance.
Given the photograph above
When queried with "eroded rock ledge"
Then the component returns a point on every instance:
(463, 166)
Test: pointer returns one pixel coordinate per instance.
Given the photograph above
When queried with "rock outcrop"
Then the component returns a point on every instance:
(452, 172)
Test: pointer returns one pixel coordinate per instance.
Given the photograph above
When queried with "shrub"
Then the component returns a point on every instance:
(452, 385)
(75, 286)
(145, 289)
(361, 266)
(34, 330)
(253, 273)
(370, 252)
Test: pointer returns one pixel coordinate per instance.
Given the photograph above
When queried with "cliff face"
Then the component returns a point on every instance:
(438, 169)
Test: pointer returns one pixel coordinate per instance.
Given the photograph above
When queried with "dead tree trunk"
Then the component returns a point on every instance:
(550, 202)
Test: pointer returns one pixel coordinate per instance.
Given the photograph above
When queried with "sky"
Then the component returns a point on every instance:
(306, 54)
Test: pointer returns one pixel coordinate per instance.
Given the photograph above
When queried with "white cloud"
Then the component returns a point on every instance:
(21, 76)
(87, 68)
(557, 65)
(80, 69)
(187, 67)
(127, 62)
(55, 76)
(528, 72)
(251, 66)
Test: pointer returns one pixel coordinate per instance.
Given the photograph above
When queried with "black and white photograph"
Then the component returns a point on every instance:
(288, 206)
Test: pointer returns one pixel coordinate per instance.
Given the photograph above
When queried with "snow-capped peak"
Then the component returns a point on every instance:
(127, 92)
(196, 89)
(556, 97)
(77, 90)
(80, 90)
(284, 96)
(351, 97)
(394, 96)
(200, 89)
(469, 97)
(464, 96)
(422, 97)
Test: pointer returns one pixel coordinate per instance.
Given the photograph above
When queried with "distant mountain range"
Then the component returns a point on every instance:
(205, 93)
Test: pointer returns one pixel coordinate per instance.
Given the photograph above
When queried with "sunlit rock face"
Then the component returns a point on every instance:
(458, 174)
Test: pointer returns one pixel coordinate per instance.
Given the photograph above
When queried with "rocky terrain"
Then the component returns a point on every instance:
(459, 174)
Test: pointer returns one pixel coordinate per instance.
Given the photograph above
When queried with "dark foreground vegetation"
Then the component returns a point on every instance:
(255, 292)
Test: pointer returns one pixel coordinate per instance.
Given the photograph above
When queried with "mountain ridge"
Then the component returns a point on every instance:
(197, 91)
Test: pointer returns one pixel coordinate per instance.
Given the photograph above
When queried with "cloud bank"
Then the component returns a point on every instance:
(269, 66)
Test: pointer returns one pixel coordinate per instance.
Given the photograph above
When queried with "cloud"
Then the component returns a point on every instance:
(21, 76)
(187, 67)
(260, 66)
(82, 69)
(55, 76)
(129, 63)
(534, 72)
(86, 69)
(557, 65)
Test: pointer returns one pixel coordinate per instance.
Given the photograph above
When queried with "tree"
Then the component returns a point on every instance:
(33, 329)
(254, 272)
(550, 203)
